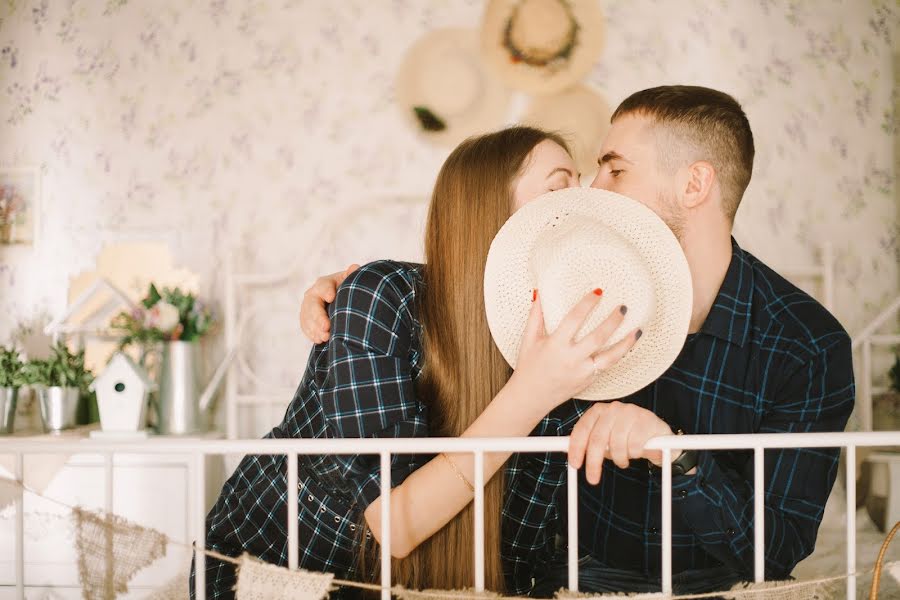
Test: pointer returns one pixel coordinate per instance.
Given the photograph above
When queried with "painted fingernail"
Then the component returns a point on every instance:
(533, 295)
(623, 309)
(638, 334)
(598, 292)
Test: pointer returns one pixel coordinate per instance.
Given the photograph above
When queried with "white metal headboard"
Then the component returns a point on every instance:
(323, 231)
(864, 341)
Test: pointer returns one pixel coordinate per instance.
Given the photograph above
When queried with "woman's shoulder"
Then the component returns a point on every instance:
(386, 288)
(389, 280)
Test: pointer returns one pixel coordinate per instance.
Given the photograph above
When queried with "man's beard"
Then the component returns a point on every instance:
(671, 214)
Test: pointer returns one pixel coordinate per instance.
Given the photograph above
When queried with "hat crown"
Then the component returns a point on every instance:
(541, 27)
(452, 84)
(576, 255)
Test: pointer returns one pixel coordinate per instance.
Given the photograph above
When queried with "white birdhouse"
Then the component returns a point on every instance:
(122, 391)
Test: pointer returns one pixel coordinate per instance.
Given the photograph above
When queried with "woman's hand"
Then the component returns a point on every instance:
(313, 314)
(555, 367)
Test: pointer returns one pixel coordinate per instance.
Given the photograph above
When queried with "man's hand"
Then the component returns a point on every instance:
(313, 316)
(617, 431)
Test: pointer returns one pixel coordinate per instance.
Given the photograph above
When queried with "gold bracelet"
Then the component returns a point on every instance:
(459, 473)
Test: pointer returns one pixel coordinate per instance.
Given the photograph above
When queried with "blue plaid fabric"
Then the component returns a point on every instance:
(768, 359)
(362, 384)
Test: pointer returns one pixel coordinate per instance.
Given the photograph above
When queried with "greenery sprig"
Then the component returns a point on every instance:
(63, 369)
(11, 368)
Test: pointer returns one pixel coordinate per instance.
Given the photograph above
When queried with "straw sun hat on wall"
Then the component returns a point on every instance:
(542, 46)
(445, 90)
(569, 242)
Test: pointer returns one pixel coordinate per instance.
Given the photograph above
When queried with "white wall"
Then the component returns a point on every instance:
(221, 124)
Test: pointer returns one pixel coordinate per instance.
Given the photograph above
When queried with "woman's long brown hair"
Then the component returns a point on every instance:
(463, 369)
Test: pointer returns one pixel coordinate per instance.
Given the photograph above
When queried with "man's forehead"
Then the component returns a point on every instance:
(628, 134)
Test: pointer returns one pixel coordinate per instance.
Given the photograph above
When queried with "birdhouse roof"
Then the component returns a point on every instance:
(136, 368)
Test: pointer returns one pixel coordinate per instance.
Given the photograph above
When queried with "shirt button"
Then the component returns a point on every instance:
(682, 493)
(729, 532)
(654, 531)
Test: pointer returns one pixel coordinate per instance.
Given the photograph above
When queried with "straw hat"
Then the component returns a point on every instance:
(581, 115)
(445, 91)
(542, 46)
(569, 242)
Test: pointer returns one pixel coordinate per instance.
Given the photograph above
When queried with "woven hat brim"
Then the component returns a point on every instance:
(486, 115)
(508, 283)
(535, 79)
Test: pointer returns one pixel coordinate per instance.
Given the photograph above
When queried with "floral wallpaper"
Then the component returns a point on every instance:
(253, 126)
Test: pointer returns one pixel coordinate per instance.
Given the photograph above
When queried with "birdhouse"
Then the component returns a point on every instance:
(122, 391)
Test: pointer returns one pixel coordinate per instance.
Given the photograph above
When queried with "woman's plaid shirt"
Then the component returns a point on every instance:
(360, 384)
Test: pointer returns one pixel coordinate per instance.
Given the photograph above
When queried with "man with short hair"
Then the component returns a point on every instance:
(761, 356)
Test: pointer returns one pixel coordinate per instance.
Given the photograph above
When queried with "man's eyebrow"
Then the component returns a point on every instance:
(563, 169)
(611, 155)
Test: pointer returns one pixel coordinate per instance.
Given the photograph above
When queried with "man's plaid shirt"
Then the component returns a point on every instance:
(768, 359)
(361, 384)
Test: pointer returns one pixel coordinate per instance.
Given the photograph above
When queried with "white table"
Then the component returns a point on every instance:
(151, 490)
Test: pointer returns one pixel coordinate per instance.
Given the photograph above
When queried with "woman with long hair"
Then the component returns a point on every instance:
(410, 355)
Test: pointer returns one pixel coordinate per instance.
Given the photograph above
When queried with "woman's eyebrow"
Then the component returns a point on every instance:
(563, 169)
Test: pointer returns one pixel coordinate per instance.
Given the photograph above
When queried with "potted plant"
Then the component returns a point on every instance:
(61, 381)
(11, 379)
(176, 320)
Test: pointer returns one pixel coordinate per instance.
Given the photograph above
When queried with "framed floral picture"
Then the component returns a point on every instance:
(20, 191)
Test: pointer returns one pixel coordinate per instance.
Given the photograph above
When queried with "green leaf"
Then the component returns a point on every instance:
(153, 296)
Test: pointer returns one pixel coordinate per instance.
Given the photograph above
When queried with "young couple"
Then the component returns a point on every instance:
(407, 352)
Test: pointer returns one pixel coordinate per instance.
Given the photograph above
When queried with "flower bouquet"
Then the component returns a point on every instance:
(170, 315)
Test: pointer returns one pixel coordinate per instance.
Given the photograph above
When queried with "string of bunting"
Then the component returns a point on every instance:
(111, 550)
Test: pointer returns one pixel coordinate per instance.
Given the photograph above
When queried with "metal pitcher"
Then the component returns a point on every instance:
(8, 397)
(180, 387)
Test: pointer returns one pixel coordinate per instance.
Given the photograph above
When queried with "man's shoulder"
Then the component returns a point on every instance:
(791, 315)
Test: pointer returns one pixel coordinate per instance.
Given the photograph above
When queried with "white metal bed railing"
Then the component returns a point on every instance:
(385, 448)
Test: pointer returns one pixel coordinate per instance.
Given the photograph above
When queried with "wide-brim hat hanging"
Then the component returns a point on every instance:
(446, 92)
(580, 115)
(542, 46)
(569, 242)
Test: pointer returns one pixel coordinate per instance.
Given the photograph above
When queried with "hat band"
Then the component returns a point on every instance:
(518, 55)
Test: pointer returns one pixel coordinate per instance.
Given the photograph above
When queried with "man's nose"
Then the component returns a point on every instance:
(597, 184)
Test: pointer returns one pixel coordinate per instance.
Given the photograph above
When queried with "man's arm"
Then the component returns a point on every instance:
(717, 502)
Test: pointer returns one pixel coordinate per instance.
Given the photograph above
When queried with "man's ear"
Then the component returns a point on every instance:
(699, 182)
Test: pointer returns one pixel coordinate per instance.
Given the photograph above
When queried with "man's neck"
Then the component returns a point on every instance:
(708, 258)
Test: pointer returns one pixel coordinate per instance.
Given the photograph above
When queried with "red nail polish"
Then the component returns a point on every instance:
(533, 295)
(598, 292)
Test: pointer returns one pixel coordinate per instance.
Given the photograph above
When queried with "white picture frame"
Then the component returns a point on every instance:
(20, 205)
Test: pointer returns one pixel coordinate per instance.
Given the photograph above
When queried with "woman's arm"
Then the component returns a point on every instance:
(550, 370)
